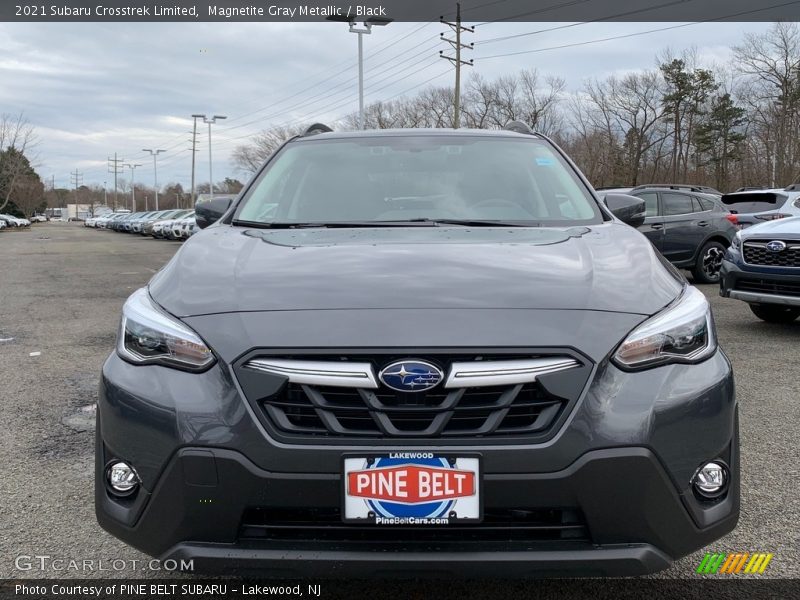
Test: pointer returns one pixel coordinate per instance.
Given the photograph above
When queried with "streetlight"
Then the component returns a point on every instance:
(154, 154)
(366, 29)
(133, 187)
(210, 173)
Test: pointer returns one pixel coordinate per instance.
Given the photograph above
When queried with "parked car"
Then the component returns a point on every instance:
(162, 226)
(128, 222)
(38, 219)
(762, 268)
(147, 226)
(418, 351)
(178, 227)
(12, 221)
(757, 206)
(2, 224)
(116, 222)
(691, 229)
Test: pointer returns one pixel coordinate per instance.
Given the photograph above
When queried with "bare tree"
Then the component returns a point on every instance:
(250, 156)
(17, 137)
(771, 62)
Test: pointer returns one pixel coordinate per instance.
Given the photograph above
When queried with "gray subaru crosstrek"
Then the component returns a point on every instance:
(418, 352)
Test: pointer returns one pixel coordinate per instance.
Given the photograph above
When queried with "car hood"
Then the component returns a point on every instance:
(788, 228)
(224, 269)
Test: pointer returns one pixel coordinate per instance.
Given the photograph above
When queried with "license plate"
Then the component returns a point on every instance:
(411, 488)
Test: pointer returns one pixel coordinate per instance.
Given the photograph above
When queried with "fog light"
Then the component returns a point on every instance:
(711, 480)
(122, 478)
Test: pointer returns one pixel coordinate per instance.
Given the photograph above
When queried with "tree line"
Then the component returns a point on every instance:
(728, 126)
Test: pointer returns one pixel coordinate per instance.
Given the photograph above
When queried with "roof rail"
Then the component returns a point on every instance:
(317, 128)
(794, 187)
(679, 186)
(518, 127)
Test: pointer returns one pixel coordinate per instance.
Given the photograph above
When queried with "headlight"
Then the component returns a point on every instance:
(737, 241)
(682, 333)
(148, 335)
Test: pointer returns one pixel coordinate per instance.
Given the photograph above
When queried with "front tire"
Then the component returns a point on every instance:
(772, 313)
(709, 263)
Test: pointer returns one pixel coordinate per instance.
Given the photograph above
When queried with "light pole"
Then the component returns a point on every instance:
(194, 151)
(154, 154)
(210, 173)
(133, 186)
(365, 29)
(105, 193)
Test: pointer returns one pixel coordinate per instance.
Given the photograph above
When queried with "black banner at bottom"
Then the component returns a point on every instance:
(573, 589)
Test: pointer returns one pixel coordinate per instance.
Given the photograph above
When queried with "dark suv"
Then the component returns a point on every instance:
(689, 226)
(418, 352)
(762, 268)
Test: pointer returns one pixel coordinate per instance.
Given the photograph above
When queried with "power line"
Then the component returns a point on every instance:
(597, 20)
(638, 33)
(539, 11)
(342, 87)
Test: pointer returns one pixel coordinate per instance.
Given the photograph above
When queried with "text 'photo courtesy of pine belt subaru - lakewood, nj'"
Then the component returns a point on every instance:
(418, 352)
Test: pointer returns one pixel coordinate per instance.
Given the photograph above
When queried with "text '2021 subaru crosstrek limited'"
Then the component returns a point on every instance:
(418, 352)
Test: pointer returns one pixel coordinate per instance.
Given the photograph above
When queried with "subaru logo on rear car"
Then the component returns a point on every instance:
(411, 376)
(776, 246)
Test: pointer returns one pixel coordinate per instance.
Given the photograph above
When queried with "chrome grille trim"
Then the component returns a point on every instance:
(505, 372)
(324, 373)
(461, 374)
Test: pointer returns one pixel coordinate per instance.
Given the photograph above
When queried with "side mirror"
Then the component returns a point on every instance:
(628, 209)
(210, 211)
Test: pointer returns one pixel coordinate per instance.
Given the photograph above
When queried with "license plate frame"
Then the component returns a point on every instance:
(356, 509)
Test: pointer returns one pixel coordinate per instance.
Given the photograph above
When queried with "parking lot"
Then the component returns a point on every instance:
(61, 290)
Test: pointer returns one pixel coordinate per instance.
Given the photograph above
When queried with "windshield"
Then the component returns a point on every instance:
(393, 179)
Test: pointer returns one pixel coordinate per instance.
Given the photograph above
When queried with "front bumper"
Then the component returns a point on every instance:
(638, 521)
(623, 461)
(757, 284)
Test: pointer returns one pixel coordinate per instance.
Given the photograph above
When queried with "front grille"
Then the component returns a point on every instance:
(334, 398)
(307, 409)
(780, 288)
(498, 525)
(756, 253)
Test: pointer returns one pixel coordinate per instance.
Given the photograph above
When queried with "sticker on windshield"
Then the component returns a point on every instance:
(545, 162)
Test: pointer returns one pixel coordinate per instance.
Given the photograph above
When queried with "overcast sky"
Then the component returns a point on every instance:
(94, 89)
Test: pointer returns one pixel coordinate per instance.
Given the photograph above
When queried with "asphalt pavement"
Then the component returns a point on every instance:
(61, 290)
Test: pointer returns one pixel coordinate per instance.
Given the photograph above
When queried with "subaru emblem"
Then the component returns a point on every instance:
(411, 376)
(776, 246)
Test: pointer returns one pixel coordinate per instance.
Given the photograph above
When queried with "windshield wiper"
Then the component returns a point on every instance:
(331, 224)
(484, 223)
(418, 222)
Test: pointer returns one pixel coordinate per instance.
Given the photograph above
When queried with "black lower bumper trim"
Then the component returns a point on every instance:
(613, 560)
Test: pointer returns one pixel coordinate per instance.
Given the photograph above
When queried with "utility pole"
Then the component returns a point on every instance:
(105, 193)
(133, 185)
(75, 178)
(154, 154)
(115, 167)
(194, 149)
(456, 60)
